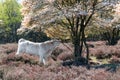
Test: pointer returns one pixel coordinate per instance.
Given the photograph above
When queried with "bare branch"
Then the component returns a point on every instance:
(92, 13)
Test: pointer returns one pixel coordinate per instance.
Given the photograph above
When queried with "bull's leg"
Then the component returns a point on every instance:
(18, 51)
(44, 61)
(41, 59)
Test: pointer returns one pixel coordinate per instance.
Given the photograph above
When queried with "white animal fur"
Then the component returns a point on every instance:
(43, 49)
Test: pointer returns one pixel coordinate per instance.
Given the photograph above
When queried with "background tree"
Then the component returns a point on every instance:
(109, 23)
(11, 16)
(105, 25)
(2, 31)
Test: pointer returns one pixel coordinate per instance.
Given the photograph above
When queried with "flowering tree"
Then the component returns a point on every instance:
(74, 15)
(34, 13)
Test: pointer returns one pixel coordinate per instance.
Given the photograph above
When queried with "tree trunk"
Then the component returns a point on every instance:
(77, 50)
(78, 46)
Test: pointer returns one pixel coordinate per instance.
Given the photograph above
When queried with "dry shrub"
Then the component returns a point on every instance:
(101, 52)
(116, 76)
(25, 67)
(35, 72)
(96, 43)
(6, 49)
(23, 72)
(63, 52)
(9, 48)
(56, 53)
(66, 73)
(12, 58)
(14, 73)
(65, 56)
(101, 75)
(105, 51)
(115, 59)
(116, 50)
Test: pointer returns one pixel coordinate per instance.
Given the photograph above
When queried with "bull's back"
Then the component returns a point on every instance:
(33, 48)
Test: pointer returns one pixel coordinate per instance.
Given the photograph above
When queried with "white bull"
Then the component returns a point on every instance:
(43, 49)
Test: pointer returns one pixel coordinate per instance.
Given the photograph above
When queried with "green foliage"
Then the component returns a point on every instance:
(10, 15)
(10, 11)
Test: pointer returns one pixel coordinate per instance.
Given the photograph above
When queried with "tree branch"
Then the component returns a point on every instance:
(93, 10)
(71, 25)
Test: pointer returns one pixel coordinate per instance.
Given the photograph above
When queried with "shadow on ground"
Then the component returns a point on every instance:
(109, 67)
(112, 67)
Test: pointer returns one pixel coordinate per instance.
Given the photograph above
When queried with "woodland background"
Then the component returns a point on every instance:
(89, 29)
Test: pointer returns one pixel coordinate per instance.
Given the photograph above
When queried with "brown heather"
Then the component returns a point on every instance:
(27, 67)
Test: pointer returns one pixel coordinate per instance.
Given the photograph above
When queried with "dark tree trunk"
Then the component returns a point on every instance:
(77, 51)
(112, 38)
(79, 41)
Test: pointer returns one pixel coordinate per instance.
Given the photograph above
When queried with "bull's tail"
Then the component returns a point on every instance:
(21, 40)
